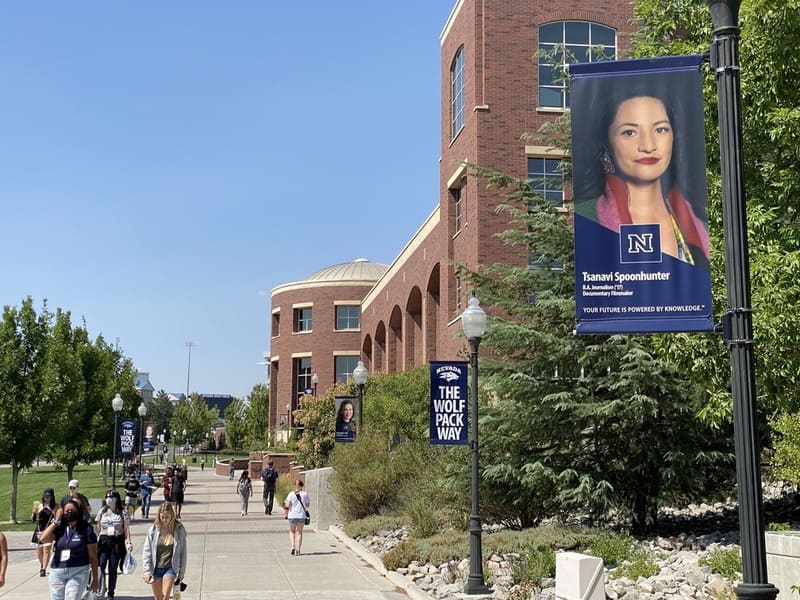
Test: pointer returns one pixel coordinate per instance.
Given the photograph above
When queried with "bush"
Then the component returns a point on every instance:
(368, 477)
(400, 556)
(639, 565)
(612, 548)
(786, 461)
(535, 565)
(423, 519)
(779, 527)
(725, 561)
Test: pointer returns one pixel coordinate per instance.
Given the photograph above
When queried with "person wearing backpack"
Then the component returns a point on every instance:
(245, 490)
(42, 515)
(269, 476)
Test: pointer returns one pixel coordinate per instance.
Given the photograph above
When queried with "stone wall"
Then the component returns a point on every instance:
(783, 561)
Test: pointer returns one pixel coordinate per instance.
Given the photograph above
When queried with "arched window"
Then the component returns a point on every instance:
(457, 93)
(566, 42)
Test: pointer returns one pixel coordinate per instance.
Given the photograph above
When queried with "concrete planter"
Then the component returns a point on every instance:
(783, 562)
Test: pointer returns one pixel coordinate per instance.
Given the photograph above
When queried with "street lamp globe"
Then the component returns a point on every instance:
(360, 374)
(142, 410)
(116, 403)
(315, 379)
(473, 320)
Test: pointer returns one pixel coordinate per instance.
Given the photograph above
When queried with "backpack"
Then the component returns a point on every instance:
(244, 487)
(269, 475)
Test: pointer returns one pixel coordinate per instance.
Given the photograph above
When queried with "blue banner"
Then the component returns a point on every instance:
(641, 234)
(448, 409)
(127, 436)
(346, 411)
(149, 440)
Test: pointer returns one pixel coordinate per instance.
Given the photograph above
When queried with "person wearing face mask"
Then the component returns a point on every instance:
(74, 553)
(114, 534)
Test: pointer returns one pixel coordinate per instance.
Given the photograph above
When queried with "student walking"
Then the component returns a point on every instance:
(269, 476)
(114, 539)
(245, 490)
(74, 555)
(164, 553)
(44, 512)
(297, 502)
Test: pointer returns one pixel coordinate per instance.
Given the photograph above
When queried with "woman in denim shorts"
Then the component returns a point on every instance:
(164, 553)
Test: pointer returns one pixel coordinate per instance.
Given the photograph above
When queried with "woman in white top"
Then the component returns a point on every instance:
(297, 503)
(113, 538)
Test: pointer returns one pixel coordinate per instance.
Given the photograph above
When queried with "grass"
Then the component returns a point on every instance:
(32, 483)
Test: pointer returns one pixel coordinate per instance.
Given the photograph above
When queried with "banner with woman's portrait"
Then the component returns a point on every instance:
(346, 411)
(639, 182)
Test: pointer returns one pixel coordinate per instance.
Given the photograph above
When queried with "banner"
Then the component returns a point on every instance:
(448, 409)
(127, 436)
(345, 419)
(149, 441)
(641, 232)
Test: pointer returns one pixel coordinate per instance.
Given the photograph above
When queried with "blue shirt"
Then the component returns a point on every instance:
(76, 540)
(146, 481)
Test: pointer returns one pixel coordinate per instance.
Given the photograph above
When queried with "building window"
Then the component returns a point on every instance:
(566, 42)
(546, 179)
(344, 368)
(459, 198)
(276, 324)
(457, 93)
(302, 319)
(303, 374)
(459, 292)
(348, 317)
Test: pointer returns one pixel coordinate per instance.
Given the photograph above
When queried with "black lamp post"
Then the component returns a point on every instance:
(360, 377)
(142, 410)
(116, 405)
(315, 382)
(473, 322)
(737, 323)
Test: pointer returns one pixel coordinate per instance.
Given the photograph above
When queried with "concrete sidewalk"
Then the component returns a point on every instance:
(230, 556)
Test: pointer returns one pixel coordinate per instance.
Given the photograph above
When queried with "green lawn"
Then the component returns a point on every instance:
(33, 483)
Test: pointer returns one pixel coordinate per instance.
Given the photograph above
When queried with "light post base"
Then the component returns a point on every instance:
(478, 591)
(756, 591)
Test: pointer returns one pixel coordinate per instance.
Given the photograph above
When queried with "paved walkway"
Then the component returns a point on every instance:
(230, 556)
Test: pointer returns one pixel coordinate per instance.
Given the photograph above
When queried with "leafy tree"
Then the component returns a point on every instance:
(771, 127)
(24, 419)
(786, 461)
(195, 417)
(234, 424)
(257, 417)
(397, 404)
(317, 414)
(578, 423)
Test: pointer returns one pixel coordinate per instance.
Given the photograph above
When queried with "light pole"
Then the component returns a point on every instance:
(360, 377)
(142, 410)
(116, 405)
(189, 345)
(314, 382)
(174, 435)
(473, 322)
(185, 442)
(737, 322)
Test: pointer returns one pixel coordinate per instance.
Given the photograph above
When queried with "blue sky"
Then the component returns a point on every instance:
(165, 165)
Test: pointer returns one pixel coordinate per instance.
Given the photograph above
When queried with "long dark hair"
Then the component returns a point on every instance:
(117, 505)
(594, 109)
(340, 413)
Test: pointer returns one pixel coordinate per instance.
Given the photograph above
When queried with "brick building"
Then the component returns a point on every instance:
(499, 81)
(315, 331)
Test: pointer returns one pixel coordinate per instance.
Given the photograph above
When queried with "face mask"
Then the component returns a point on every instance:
(71, 515)
(111, 501)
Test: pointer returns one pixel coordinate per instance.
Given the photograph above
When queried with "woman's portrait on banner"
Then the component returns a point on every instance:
(345, 419)
(638, 159)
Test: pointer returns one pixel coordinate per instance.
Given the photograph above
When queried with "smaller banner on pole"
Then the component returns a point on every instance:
(448, 410)
(127, 436)
(149, 440)
(345, 419)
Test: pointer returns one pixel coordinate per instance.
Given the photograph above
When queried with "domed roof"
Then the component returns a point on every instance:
(360, 269)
